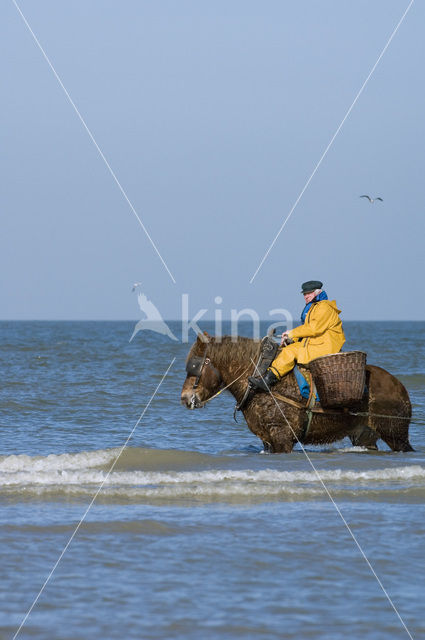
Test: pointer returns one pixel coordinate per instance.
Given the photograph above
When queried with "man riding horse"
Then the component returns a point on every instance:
(319, 334)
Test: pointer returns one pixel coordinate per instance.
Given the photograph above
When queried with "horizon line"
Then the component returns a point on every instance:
(209, 320)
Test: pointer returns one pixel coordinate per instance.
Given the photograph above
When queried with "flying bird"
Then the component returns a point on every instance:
(153, 320)
(372, 200)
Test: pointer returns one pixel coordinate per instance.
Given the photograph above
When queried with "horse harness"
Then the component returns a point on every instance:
(267, 352)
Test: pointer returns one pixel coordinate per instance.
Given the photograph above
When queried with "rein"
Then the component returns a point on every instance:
(194, 367)
(227, 386)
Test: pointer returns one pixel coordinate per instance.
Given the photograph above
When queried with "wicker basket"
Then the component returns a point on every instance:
(339, 378)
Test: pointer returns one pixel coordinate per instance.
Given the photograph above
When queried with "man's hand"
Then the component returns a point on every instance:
(285, 339)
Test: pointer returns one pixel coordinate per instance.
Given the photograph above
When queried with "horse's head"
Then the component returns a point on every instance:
(203, 380)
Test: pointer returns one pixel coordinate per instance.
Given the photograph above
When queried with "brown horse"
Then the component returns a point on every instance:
(384, 412)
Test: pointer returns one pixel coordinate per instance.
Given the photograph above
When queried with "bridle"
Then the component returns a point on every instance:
(195, 366)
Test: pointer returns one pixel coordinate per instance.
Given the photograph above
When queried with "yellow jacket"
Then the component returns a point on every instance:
(321, 333)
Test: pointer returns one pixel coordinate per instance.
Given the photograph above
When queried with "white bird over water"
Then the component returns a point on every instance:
(372, 200)
(153, 320)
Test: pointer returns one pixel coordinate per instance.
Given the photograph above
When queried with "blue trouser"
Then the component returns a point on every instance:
(303, 384)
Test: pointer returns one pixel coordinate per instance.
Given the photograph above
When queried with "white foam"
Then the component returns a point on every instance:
(53, 462)
(80, 473)
(178, 491)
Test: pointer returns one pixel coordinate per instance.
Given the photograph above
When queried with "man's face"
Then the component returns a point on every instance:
(308, 297)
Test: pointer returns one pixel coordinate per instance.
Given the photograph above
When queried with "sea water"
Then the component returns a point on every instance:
(195, 532)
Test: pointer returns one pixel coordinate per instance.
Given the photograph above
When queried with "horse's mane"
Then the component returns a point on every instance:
(238, 349)
(228, 349)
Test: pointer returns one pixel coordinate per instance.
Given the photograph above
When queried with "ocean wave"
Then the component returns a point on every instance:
(291, 477)
(57, 462)
(210, 477)
(86, 472)
(128, 458)
(179, 492)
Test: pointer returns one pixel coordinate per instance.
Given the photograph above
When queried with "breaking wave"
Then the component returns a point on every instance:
(143, 474)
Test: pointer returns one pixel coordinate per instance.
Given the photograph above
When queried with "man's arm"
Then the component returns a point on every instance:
(322, 318)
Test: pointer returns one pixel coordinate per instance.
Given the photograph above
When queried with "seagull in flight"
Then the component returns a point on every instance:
(372, 200)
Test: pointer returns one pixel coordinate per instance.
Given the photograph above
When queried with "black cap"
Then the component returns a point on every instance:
(311, 285)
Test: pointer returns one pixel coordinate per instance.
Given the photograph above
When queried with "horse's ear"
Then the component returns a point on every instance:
(203, 338)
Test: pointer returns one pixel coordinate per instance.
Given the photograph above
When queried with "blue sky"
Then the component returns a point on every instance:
(213, 116)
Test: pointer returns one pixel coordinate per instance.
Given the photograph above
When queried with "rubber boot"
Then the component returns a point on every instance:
(264, 383)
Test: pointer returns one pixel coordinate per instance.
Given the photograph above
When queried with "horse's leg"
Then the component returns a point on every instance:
(267, 447)
(280, 439)
(270, 424)
(285, 427)
(389, 397)
(395, 434)
(281, 446)
(364, 436)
